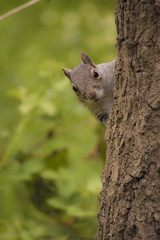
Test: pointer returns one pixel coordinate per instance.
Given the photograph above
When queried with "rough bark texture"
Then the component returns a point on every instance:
(130, 198)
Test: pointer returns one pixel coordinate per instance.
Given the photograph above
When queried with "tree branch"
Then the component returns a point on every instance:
(18, 9)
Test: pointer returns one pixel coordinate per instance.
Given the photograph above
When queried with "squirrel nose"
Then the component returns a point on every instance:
(92, 95)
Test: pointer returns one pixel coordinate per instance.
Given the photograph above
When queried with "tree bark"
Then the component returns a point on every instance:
(130, 198)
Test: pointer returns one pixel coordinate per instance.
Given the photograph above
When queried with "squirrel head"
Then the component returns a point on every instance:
(86, 81)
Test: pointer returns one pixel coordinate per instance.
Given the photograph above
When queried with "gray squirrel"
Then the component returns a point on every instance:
(93, 85)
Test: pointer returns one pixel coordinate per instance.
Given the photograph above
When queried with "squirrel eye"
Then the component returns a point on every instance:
(95, 74)
(75, 89)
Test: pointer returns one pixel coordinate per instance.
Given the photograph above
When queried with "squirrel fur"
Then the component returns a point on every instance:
(93, 85)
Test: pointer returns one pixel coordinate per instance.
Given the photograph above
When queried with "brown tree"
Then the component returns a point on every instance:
(130, 198)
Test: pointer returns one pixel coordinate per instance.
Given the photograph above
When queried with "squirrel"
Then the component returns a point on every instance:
(93, 84)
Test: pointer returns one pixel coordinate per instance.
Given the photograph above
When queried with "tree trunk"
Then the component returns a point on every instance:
(130, 198)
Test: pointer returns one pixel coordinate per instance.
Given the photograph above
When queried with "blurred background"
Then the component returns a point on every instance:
(52, 150)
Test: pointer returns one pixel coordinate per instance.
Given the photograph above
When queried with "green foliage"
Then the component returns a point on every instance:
(52, 150)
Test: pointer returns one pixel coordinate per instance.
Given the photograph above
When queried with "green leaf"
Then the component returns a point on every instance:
(48, 107)
(32, 166)
(57, 203)
(49, 174)
(80, 212)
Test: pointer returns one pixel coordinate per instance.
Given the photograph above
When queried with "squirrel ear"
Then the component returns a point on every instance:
(87, 60)
(67, 72)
